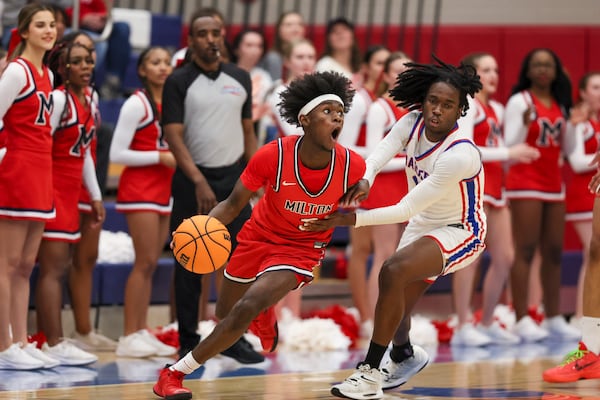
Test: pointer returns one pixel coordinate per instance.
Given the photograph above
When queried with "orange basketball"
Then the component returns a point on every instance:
(201, 244)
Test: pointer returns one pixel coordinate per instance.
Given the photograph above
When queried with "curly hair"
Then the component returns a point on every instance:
(560, 87)
(302, 90)
(413, 84)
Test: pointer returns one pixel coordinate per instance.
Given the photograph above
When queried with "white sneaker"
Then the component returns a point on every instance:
(558, 327)
(161, 349)
(468, 336)
(93, 341)
(529, 331)
(134, 345)
(498, 334)
(16, 358)
(69, 354)
(33, 351)
(394, 374)
(365, 383)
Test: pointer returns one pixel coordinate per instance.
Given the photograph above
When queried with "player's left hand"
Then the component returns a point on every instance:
(330, 221)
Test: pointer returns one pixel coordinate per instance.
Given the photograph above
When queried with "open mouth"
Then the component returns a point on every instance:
(336, 133)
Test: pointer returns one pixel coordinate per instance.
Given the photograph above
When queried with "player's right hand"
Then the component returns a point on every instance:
(355, 194)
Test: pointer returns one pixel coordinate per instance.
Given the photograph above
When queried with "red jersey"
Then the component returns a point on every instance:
(487, 132)
(294, 193)
(542, 178)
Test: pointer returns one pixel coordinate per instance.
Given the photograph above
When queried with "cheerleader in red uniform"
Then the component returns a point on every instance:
(484, 122)
(536, 114)
(26, 196)
(390, 185)
(353, 136)
(144, 195)
(583, 140)
(74, 124)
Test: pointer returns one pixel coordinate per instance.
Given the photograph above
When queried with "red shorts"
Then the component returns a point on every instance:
(388, 189)
(252, 258)
(145, 189)
(580, 201)
(26, 186)
(67, 184)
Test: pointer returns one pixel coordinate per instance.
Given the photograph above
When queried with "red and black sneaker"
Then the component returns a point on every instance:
(265, 327)
(170, 386)
(579, 364)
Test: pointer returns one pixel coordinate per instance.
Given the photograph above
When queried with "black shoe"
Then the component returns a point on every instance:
(242, 352)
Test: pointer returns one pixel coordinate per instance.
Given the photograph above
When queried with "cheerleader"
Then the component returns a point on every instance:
(144, 195)
(26, 196)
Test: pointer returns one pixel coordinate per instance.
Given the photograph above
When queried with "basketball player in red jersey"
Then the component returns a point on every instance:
(304, 178)
(26, 197)
(583, 140)
(144, 195)
(485, 120)
(584, 362)
(74, 124)
(536, 114)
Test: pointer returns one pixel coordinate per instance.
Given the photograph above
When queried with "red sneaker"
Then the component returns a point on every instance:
(579, 364)
(170, 386)
(265, 327)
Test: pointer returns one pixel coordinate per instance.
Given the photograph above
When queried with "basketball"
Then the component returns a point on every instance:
(201, 244)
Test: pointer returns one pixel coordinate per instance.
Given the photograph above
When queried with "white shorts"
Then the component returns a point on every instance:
(458, 246)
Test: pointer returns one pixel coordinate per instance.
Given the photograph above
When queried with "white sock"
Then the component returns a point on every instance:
(590, 333)
(187, 364)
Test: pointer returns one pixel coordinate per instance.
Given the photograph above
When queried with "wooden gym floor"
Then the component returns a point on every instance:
(454, 373)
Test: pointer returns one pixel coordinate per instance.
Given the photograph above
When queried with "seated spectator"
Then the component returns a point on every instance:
(112, 54)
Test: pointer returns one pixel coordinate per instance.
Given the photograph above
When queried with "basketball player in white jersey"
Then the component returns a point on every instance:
(444, 209)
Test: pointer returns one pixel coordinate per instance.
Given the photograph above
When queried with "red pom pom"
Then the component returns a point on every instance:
(340, 316)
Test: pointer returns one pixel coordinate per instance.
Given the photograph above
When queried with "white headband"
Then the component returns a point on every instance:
(311, 105)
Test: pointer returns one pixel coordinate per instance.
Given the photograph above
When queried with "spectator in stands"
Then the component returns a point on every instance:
(144, 195)
(85, 251)
(74, 124)
(207, 121)
(390, 185)
(353, 137)
(112, 53)
(342, 53)
(484, 122)
(10, 12)
(583, 140)
(536, 114)
(289, 27)
(300, 57)
(584, 363)
(26, 193)
(247, 49)
(183, 55)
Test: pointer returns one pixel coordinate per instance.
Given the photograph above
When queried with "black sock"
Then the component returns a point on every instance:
(374, 355)
(401, 352)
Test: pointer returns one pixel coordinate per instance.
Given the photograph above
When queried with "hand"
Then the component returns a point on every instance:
(594, 185)
(329, 222)
(579, 113)
(529, 115)
(94, 21)
(98, 212)
(205, 197)
(167, 158)
(523, 153)
(355, 194)
(595, 161)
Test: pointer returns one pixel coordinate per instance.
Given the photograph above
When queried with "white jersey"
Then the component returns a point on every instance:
(445, 179)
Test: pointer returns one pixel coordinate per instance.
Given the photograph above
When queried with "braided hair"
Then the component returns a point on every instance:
(413, 84)
(58, 61)
(302, 90)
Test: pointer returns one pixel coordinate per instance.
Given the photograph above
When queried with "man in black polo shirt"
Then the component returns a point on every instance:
(207, 121)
